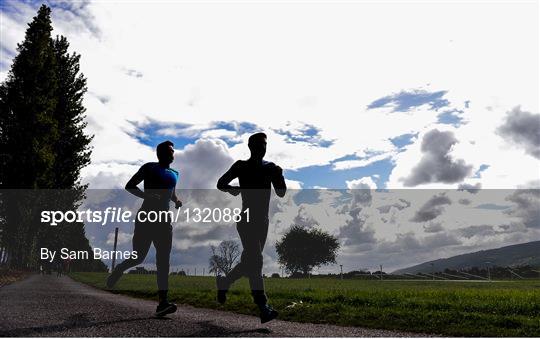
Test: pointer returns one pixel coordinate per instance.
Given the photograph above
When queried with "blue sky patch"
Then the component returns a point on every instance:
(482, 168)
(10, 7)
(306, 134)
(450, 118)
(403, 140)
(149, 135)
(184, 134)
(239, 127)
(326, 176)
(346, 157)
(71, 6)
(307, 196)
(406, 100)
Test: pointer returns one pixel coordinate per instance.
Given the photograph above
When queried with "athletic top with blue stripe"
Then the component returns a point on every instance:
(160, 182)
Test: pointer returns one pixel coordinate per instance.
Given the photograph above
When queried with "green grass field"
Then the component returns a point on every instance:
(439, 307)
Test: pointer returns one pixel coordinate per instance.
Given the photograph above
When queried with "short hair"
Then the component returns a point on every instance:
(164, 146)
(256, 137)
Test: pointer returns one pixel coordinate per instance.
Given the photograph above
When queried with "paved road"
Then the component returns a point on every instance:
(60, 307)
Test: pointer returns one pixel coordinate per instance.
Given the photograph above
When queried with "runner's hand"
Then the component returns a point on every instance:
(234, 191)
(177, 204)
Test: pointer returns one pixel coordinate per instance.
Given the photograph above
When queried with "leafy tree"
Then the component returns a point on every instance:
(224, 257)
(300, 249)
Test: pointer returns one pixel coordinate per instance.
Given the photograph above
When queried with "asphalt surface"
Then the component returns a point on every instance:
(61, 307)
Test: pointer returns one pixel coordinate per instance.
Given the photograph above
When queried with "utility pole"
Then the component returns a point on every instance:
(432, 272)
(341, 271)
(203, 271)
(488, 272)
(380, 266)
(114, 248)
(195, 274)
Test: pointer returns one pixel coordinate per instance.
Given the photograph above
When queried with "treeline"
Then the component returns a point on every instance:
(43, 148)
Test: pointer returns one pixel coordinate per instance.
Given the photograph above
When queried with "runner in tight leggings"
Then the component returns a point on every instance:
(159, 184)
(255, 176)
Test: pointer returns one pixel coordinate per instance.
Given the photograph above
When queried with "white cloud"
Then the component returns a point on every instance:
(293, 184)
(123, 238)
(202, 163)
(362, 183)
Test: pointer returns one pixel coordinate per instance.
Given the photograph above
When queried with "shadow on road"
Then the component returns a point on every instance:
(79, 320)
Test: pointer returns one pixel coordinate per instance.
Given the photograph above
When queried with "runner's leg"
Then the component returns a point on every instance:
(163, 244)
(239, 270)
(259, 295)
(141, 244)
(254, 238)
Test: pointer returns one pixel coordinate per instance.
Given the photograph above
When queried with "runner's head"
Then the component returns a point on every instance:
(165, 152)
(257, 145)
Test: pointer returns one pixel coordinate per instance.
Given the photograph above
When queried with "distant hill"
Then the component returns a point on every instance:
(514, 255)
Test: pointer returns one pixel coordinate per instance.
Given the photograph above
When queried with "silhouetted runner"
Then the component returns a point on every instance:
(255, 177)
(159, 184)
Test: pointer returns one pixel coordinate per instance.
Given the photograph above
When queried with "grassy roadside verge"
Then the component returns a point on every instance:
(448, 308)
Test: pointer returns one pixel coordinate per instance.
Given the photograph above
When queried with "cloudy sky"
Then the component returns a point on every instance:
(387, 95)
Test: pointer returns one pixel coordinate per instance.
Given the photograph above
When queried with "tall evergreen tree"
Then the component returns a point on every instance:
(73, 152)
(28, 102)
(42, 144)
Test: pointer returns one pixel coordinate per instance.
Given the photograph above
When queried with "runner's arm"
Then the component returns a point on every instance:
(230, 175)
(136, 179)
(278, 181)
(177, 202)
